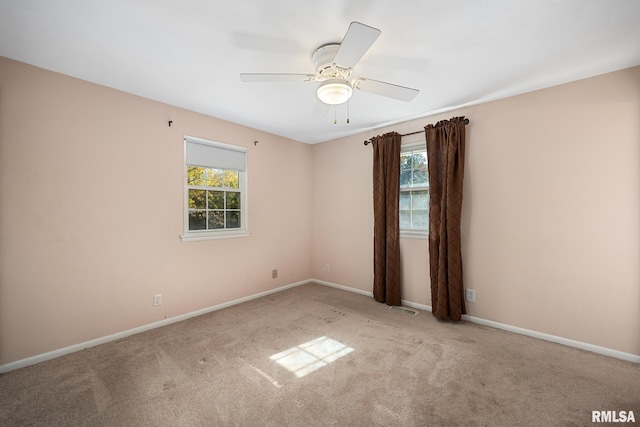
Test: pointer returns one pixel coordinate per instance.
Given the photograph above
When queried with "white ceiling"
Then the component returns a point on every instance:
(189, 53)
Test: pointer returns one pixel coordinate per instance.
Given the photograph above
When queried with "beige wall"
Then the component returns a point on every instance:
(551, 218)
(91, 213)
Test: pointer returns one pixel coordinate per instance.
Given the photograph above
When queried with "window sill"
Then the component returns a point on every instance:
(414, 234)
(197, 236)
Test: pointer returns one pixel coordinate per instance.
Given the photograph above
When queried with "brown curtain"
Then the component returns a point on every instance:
(445, 154)
(386, 218)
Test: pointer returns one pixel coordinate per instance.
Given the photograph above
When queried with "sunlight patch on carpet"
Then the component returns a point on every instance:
(310, 356)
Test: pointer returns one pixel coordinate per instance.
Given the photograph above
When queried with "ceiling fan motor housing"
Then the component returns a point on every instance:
(323, 62)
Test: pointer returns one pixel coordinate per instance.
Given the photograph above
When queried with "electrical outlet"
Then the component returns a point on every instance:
(274, 273)
(157, 299)
(470, 295)
(326, 268)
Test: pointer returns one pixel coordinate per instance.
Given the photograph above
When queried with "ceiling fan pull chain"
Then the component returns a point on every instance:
(347, 111)
(335, 115)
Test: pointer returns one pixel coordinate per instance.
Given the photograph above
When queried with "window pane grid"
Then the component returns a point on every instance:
(414, 190)
(413, 169)
(214, 198)
(201, 177)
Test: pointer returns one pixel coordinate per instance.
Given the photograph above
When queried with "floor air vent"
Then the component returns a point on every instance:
(403, 310)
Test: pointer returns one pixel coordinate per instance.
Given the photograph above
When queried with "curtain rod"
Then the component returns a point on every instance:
(367, 142)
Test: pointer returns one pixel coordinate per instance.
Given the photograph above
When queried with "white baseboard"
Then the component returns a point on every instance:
(370, 294)
(119, 335)
(559, 340)
(344, 288)
(103, 340)
(522, 331)
(416, 305)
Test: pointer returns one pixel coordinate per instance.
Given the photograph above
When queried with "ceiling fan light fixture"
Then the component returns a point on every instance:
(334, 91)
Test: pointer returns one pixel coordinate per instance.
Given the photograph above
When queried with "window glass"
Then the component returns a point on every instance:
(414, 189)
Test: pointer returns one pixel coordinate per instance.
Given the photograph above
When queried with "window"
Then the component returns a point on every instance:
(414, 191)
(215, 190)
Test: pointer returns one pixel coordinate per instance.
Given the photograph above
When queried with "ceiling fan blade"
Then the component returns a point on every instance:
(355, 44)
(389, 90)
(275, 77)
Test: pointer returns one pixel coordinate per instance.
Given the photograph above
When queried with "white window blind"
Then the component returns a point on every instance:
(215, 155)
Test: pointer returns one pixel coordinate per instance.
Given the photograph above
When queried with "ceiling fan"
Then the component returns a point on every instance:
(334, 63)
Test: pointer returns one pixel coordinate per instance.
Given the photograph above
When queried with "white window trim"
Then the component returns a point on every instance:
(407, 233)
(199, 235)
(414, 234)
(195, 236)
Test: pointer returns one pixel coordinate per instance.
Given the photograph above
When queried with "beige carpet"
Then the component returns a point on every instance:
(318, 356)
